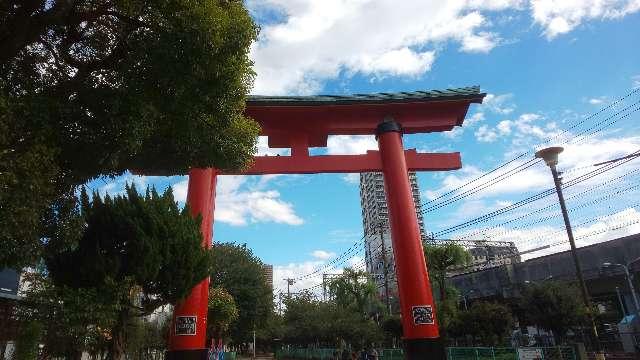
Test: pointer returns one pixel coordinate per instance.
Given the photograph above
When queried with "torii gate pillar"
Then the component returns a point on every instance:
(187, 334)
(420, 329)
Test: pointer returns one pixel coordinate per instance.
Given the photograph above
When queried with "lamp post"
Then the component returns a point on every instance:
(550, 157)
(631, 288)
(464, 298)
(624, 313)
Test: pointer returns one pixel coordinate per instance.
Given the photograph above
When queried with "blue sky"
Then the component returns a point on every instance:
(546, 65)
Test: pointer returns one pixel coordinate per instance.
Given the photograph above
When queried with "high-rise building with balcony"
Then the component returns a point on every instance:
(375, 222)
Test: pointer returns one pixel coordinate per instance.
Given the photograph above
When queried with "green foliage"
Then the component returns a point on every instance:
(490, 323)
(90, 88)
(222, 312)
(440, 259)
(392, 325)
(68, 328)
(137, 252)
(240, 273)
(355, 291)
(308, 321)
(554, 306)
(27, 342)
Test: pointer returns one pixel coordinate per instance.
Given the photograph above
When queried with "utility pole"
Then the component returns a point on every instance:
(289, 283)
(550, 156)
(324, 287)
(624, 312)
(386, 270)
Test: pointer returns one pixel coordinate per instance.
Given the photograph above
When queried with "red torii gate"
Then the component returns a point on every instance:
(300, 122)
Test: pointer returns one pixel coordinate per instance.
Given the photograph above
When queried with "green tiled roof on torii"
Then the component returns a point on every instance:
(471, 93)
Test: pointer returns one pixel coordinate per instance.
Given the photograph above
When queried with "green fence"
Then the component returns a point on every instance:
(229, 355)
(489, 353)
(327, 354)
(453, 353)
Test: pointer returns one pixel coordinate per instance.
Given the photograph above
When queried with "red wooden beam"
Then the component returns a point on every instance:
(348, 163)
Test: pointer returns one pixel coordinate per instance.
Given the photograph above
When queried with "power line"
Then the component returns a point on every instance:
(533, 198)
(553, 204)
(581, 136)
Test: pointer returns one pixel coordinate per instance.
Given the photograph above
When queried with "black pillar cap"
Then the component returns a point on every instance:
(421, 349)
(388, 125)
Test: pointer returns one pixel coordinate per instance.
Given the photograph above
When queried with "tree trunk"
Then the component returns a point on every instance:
(117, 346)
(75, 355)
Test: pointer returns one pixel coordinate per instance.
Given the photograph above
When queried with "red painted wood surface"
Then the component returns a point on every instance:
(370, 161)
(414, 287)
(201, 201)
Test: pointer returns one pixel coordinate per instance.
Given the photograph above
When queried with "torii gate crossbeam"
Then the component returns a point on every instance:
(303, 122)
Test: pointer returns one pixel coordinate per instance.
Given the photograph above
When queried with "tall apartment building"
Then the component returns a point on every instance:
(267, 270)
(375, 222)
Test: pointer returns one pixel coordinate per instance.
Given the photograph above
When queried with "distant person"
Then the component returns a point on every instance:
(354, 355)
(373, 353)
(345, 354)
(363, 355)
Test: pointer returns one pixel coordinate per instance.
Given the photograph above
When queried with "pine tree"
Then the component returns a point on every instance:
(142, 252)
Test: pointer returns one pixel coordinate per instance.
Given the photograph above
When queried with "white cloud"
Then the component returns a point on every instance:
(483, 42)
(351, 144)
(483, 134)
(474, 119)
(523, 129)
(322, 255)
(504, 127)
(116, 186)
(321, 40)
(455, 133)
(238, 204)
(597, 100)
(376, 38)
(560, 17)
(635, 81)
(264, 149)
(397, 62)
(499, 104)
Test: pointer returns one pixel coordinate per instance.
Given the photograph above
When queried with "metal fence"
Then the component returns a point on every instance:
(453, 353)
(328, 354)
(490, 353)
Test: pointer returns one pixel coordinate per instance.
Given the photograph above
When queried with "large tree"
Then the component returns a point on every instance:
(554, 306)
(354, 290)
(308, 321)
(138, 252)
(90, 88)
(442, 258)
(240, 273)
(71, 318)
(489, 323)
(222, 313)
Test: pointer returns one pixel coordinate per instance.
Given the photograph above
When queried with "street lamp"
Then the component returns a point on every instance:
(464, 298)
(550, 157)
(631, 288)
